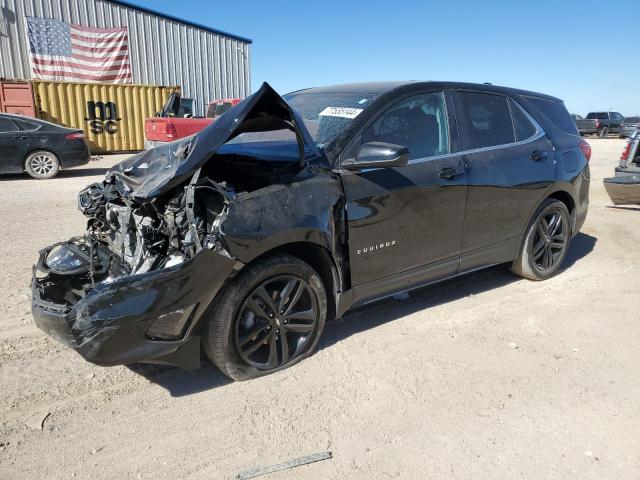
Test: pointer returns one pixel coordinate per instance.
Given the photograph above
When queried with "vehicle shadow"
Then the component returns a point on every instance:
(581, 246)
(71, 173)
(383, 311)
(180, 382)
(82, 172)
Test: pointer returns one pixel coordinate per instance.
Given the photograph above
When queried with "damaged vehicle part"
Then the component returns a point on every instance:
(624, 187)
(286, 212)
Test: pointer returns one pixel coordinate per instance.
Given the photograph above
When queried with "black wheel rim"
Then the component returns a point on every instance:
(550, 240)
(276, 322)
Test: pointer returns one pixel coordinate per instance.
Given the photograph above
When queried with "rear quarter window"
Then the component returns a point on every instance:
(555, 111)
(27, 125)
(522, 126)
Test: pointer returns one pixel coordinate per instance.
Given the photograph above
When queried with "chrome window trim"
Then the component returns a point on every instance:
(539, 133)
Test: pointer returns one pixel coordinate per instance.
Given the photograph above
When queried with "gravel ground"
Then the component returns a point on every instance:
(485, 377)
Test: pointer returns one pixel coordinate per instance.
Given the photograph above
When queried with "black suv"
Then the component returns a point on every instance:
(287, 212)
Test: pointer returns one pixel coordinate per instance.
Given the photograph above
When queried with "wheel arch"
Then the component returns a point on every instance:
(321, 260)
(560, 194)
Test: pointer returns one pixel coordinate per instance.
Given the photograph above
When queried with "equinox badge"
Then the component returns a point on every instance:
(378, 246)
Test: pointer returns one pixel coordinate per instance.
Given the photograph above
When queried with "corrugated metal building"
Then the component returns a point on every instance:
(206, 63)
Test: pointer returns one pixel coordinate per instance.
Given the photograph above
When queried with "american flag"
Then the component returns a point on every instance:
(68, 52)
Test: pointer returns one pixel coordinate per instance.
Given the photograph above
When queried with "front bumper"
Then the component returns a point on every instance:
(110, 325)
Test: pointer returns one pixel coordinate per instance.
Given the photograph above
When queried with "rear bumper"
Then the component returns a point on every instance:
(111, 324)
(623, 189)
(628, 131)
(75, 156)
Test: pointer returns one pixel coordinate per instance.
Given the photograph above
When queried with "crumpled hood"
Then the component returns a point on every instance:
(156, 171)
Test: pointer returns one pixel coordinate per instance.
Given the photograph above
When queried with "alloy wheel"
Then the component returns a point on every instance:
(550, 240)
(42, 164)
(276, 322)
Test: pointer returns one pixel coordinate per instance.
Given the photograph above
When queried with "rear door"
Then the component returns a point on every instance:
(406, 217)
(616, 121)
(12, 146)
(510, 167)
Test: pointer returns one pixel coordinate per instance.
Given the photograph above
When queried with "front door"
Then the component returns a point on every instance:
(403, 218)
(12, 147)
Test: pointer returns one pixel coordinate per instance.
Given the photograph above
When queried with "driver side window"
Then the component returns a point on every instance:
(418, 123)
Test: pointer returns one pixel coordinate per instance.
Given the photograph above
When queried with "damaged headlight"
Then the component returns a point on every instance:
(67, 259)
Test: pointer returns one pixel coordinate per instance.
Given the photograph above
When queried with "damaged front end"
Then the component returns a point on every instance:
(131, 288)
(135, 285)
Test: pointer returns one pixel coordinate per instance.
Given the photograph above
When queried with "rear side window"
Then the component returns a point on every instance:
(555, 111)
(7, 125)
(522, 126)
(487, 120)
(27, 125)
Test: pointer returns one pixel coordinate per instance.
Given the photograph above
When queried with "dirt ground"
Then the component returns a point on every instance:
(485, 377)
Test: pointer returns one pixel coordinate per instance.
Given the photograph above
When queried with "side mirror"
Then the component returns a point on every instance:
(378, 155)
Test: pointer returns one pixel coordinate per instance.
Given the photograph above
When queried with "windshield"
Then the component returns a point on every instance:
(325, 114)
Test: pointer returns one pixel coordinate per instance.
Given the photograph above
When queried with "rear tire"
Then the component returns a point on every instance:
(42, 164)
(546, 242)
(277, 306)
(604, 132)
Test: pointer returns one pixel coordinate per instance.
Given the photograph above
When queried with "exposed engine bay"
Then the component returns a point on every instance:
(127, 237)
(158, 233)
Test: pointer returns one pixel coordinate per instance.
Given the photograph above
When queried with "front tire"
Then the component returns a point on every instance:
(545, 243)
(42, 164)
(267, 319)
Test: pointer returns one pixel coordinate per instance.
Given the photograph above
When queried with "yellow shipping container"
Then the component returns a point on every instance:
(111, 115)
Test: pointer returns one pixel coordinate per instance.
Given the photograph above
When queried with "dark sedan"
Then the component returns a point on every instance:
(40, 148)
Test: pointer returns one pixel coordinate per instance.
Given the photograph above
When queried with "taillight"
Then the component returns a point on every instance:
(626, 151)
(75, 136)
(170, 131)
(597, 123)
(586, 150)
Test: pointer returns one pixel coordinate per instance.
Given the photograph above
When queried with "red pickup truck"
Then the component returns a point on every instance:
(176, 120)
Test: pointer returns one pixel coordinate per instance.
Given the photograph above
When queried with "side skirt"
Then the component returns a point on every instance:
(428, 275)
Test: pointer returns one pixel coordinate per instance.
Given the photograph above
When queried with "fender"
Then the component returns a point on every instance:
(308, 210)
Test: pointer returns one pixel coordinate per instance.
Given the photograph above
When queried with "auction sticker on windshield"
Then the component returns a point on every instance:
(343, 112)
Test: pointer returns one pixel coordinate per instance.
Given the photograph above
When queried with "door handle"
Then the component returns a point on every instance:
(537, 155)
(449, 173)
(20, 138)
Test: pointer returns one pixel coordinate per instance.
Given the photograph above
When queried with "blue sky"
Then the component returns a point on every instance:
(578, 50)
